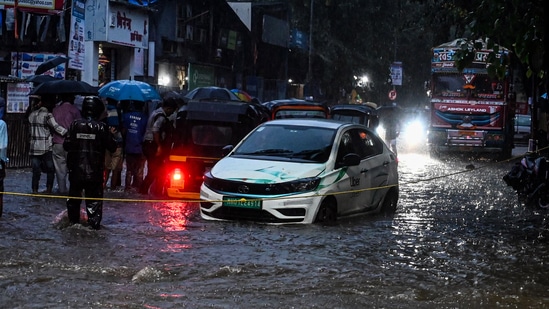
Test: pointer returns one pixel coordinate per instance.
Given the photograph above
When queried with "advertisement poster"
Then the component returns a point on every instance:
(76, 37)
(24, 65)
(17, 97)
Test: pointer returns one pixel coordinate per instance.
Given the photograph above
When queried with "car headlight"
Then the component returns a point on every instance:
(301, 185)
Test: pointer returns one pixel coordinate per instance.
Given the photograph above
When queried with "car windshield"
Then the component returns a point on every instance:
(350, 118)
(523, 120)
(291, 142)
(294, 113)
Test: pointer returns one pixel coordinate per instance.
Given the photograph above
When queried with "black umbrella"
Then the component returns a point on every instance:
(50, 64)
(38, 79)
(64, 86)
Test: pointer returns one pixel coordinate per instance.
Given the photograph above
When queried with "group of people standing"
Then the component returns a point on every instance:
(89, 146)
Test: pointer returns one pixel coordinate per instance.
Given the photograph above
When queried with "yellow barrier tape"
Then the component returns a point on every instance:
(51, 196)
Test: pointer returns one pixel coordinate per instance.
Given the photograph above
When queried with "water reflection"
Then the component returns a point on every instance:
(173, 216)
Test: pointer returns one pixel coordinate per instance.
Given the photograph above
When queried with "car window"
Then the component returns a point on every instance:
(209, 135)
(350, 118)
(361, 142)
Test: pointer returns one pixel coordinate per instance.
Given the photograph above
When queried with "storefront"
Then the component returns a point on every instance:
(118, 48)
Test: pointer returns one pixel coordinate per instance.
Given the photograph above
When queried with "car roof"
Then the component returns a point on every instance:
(313, 122)
(292, 102)
(354, 107)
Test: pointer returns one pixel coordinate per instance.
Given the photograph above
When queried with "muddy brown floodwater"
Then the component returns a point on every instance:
(458, 240)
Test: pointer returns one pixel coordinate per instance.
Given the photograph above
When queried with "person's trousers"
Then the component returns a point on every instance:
(94, 208)
(60, 164)
(42, 164)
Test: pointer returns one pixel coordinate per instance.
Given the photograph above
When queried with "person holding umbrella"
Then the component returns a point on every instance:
(42, 123)
(64, 113)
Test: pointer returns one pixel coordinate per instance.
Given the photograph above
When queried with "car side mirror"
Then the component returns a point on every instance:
(226, 150)
(351, 159)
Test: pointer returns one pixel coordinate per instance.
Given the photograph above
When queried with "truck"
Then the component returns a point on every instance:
(470, 110)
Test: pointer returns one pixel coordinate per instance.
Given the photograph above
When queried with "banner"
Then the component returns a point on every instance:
(34, 6)
(76, 36)
(396, 73)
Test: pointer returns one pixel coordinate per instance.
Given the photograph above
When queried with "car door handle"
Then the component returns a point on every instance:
(386, 163)
(364, 170)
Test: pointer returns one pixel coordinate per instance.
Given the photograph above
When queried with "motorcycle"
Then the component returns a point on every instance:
(530, 179)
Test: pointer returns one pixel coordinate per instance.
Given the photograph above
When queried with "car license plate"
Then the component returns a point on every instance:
(240, 202)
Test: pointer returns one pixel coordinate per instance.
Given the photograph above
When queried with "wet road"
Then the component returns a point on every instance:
(458, 240)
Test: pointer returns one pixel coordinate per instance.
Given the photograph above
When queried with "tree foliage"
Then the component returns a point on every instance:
(356, 37)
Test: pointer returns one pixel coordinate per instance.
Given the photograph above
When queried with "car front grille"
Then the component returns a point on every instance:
(239, 187)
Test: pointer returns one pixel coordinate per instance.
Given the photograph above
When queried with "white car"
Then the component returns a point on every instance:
(302, 171)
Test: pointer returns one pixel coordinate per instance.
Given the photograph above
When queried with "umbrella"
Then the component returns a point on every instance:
(124, 89)
(242, 95)
(38, 79)
(64, 86)
(173, 95)
(50, 64)
(212, 92)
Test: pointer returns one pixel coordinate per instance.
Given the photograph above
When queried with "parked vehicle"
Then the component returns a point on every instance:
(523, 124)
(203, 128)
(296, 108)
(358, 113)
(302, 171)
(529, 178)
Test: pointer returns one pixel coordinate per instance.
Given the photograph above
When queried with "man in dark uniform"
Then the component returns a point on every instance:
(86, 143)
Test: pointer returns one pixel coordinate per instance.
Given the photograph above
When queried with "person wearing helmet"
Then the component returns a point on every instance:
(86, 142)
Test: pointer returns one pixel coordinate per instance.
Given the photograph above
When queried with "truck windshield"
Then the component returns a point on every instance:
(462, 85)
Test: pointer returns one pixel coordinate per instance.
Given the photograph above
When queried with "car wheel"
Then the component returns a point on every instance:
(390, 202)
(327, 213)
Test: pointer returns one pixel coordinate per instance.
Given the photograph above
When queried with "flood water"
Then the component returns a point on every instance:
(458, 240)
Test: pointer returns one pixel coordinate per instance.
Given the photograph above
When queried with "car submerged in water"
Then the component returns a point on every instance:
(302, 171)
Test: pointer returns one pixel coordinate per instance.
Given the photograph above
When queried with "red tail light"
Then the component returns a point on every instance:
(177, 175)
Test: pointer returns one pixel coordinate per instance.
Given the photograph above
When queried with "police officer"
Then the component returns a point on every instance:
(86, 143)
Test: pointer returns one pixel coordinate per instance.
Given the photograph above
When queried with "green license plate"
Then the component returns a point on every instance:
(233, 201)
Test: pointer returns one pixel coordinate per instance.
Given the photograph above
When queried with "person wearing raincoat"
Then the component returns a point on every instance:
(86, 143)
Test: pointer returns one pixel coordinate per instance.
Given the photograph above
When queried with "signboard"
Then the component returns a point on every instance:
(76, 37)
(23, 65)
(127, 27)
(396, 73)
(392, 95)
(42, 6)
(200, 76)
(17, 99)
